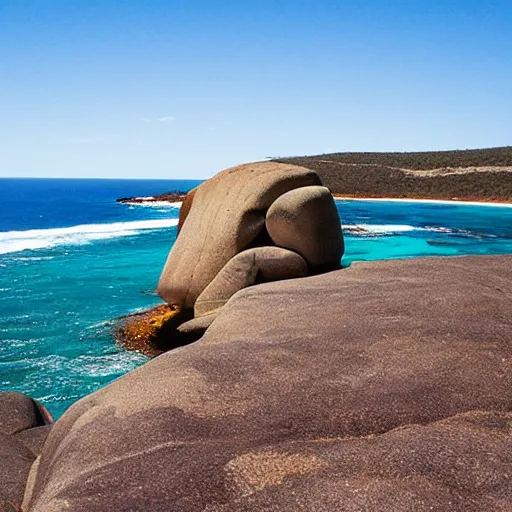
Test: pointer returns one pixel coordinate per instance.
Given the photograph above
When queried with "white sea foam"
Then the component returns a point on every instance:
(389, 229)
(34, 258)
(155, 204)
(105, 364)
(15, 241)
(384, 228)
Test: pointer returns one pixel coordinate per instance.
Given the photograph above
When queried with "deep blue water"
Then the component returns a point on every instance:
(72, 260)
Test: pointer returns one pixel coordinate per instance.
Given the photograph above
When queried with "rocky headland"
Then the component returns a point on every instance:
(295, 385)
(167, 197)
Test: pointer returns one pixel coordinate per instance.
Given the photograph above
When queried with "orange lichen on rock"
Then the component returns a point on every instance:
(153, 331)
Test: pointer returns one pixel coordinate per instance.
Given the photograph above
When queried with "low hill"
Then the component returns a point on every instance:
(475, 174)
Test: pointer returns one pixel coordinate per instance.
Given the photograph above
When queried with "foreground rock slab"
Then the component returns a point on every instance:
(385, 386)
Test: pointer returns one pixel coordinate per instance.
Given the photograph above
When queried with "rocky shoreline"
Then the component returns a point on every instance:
(287, 383)
(150, 332)
(167, 197)
(178, 197)
(481, 175)
(286, 405)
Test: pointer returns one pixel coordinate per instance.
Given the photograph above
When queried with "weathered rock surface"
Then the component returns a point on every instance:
(34, 438)
(226, 216)
(23, 429)
(385, 386)
(16, 460)
(261, 264)
(193, 329)
(152, 331)
(305, 220)
(185, 207)
(19, 412)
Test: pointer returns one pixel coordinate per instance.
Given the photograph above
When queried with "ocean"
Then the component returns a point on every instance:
(72, 260)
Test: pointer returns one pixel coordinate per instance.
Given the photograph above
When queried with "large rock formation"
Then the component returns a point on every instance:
(264, 264)
(384, 386)
(306, 220)
(249, 224)
(226, 215)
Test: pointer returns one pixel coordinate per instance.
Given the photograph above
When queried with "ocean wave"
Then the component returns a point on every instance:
(376, 230)
(388, 228)
(379, 229)
(16, 241)
(35, 258)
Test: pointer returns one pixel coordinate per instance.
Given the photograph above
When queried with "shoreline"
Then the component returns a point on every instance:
(469, 202)
(166, 197)
(153, 201)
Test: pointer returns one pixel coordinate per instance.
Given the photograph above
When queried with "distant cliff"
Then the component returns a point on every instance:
(478, 174)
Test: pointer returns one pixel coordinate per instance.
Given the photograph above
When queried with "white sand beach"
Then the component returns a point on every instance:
(434, 201)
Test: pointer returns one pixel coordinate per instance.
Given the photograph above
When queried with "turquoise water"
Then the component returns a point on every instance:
(416, 229)
(72, 260)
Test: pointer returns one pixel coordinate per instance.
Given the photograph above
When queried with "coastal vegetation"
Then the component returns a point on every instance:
(476, 174)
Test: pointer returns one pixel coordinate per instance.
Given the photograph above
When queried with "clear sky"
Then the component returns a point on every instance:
(183, 89)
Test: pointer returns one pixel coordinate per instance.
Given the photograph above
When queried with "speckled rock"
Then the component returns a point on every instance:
(19, 412)
(384, 386)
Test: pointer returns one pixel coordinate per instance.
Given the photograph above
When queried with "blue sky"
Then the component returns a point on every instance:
(183, 89)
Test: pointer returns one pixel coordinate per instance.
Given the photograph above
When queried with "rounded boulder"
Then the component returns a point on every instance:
(258, 265)
(306, 220)
(19, 412)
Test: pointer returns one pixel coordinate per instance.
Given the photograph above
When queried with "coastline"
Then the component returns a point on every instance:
(156, 201)
(187, 391)
(469, 202)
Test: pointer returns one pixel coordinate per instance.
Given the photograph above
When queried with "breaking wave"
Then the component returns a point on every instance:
(387, 228)
(16, 241)
(378, 229)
